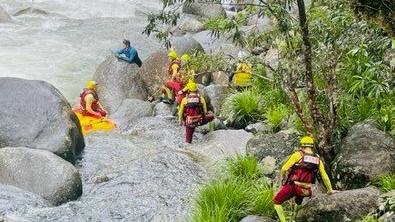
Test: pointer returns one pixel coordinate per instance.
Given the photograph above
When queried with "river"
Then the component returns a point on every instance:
(65, 45)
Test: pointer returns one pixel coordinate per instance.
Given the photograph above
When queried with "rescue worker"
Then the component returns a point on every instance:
(188, 73)
(193, 111)
(242, 76)
(176, 80)
(298, 174)
(89, 102)
(128, 54)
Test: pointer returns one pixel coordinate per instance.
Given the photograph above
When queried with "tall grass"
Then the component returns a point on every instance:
(241, 192)
(386, 182)
(243, 108)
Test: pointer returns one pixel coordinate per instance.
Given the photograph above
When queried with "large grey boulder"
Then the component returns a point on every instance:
(220, 78)
(216, 95)
(162, 109)
(205, 10)
(190, 24)
(185, 45)
(129, 110)
(279, 145)
(35, 114)
(254, 218)
(4, 16)
(345, 206)
(118, 80)
(220, 145)
(153, 72)
(259, 128)
(365, 153)
(40, 172)
(15, 199)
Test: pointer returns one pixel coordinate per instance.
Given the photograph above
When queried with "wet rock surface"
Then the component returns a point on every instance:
(40, 172)
(365, 153)
(54, 127)
(144, 182)
(13, 199)
(219, 145)
(344, 206)
(118, 80)
(131, 109)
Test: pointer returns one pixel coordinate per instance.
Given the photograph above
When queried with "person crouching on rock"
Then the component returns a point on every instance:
(89, 102)
(176, 80)
(298, 174)
(193, 111)
(128, 54)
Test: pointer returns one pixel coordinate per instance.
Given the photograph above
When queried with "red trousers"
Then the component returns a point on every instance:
(190, 130)
(290, 190)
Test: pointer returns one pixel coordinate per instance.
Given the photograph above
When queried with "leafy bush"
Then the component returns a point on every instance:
(243, 108)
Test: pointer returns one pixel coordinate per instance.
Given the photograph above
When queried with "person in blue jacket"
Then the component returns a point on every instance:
(128, 54)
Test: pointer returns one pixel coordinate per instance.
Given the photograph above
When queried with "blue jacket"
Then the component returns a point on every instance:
(126, 54)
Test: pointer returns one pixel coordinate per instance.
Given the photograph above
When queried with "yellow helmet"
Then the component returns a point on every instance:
(191, 86)
(307, 141)
(186, 58)
(172, 54)
(91, 84)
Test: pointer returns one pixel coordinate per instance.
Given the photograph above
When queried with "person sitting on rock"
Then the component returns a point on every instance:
(176, 79)
(89, 102)
(298, 174)
(128, 54)
(193, 111)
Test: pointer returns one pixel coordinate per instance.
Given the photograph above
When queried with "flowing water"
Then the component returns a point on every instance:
(65, 43)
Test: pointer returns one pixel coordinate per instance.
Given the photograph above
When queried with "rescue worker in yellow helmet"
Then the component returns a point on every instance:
(193, 111)
(175, 82)
(298, 174)
(189, 73)
(89, 101)
(187, 67)
(242, 76)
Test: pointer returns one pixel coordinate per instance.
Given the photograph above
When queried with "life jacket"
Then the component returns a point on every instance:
(174, 62)
(306, 169)
(193, 111)
(86, 92)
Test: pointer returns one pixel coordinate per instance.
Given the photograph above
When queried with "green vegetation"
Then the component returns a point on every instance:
(241, 192)
(243, 108)
(386, 182)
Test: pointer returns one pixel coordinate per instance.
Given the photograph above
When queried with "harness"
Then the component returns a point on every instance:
(82, 99)
(193, 111)
(306, 169)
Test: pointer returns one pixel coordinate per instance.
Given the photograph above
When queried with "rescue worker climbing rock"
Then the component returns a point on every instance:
(298, 174)
(193, 111)
(176, 80)
(89, 101)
